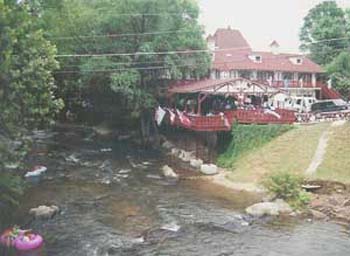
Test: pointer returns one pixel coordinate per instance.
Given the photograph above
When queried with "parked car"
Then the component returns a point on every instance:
(329, 106)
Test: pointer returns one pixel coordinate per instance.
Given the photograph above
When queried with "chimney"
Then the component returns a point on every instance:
(274, 47)
(211, 42)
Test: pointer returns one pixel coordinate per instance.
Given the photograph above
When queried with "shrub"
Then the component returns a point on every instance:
(287, 186)
(249, 137)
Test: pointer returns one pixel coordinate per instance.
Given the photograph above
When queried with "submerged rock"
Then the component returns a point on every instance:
(269, 208)
(168, 145)
(44, 212)
(209, 169)
(168, 172)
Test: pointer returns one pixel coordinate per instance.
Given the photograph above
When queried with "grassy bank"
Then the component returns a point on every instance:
(290, 152)
(248, 138)
(336, 163)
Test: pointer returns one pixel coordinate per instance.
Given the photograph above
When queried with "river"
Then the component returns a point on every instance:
(113, 201)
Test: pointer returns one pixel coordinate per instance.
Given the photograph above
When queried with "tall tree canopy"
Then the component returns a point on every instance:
(324, 33)
(128, 47)
(26, 64)
(339, 71)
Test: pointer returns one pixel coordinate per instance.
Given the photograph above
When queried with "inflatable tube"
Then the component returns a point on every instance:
(28, 242)
(37, 171)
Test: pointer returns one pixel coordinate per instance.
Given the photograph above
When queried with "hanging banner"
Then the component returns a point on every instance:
(159, 115)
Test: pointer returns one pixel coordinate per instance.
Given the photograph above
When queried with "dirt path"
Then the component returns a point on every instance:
(319, 153)
(321, 149)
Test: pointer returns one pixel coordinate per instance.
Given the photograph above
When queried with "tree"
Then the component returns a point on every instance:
(136, 27)
(27, 61)
(339, 71)
(324, 33)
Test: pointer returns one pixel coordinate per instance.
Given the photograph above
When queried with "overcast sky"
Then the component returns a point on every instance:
(260, 21)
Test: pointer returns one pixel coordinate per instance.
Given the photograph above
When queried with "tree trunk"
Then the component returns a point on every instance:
(149, 129)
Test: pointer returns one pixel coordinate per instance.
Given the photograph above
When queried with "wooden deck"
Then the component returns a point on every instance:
(224, 121)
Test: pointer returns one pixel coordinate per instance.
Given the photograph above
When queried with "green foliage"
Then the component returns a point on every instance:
(339, 71)
(11, 189)
(26, 65)
(131, 77)
(287, 186)
(326, 21)
(249, 137)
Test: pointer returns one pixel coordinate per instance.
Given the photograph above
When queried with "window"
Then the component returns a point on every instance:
(255, 58)
(296, 60)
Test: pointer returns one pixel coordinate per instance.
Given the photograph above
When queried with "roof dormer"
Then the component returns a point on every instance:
(255, 58)
(298, 60)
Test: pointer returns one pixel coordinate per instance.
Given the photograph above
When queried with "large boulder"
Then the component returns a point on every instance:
(168, 172)
(269, 208)
(44, 212)
(209, 169)
(196, 163)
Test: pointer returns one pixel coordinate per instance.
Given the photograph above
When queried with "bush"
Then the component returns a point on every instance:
(288, 187)
(249, 137)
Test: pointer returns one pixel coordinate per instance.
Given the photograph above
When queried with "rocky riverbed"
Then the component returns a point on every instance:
(113, 199)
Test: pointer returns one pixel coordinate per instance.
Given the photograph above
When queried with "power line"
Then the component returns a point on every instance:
(122, 35)
(149, 53)
(179, 52)
(158, 67)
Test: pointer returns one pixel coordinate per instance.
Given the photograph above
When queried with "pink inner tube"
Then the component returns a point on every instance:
(29, 242)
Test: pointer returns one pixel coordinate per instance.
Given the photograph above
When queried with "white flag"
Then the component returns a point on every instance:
(160, 113)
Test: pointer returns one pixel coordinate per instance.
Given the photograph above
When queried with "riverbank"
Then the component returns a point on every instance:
(318, 152)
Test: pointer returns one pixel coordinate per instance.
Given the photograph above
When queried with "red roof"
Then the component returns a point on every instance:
(190, 86)
(226, 58)
(230, 38)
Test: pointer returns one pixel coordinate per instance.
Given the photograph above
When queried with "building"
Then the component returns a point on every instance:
(297, 75)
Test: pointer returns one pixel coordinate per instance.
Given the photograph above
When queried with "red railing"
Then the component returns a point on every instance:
(224, 121)
(328, 93)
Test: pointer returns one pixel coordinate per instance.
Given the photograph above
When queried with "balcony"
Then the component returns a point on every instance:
(291, 84)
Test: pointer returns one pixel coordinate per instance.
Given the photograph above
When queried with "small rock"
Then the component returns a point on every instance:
(169, 172)
(318, 215)
(185, 156)
(175, 152)
(196, 163)
(44, 212)
(167, 145)
(209, 169)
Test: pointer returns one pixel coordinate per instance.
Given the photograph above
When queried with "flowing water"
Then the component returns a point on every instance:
(113, 201)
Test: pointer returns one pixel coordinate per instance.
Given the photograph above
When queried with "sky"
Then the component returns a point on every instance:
(260, 21)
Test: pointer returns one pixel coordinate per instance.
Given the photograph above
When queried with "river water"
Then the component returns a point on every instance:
(113, 201)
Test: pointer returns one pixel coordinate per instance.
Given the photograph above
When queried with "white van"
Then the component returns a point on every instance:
(300, 104)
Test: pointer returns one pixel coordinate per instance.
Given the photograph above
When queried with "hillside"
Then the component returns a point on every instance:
(295, 150)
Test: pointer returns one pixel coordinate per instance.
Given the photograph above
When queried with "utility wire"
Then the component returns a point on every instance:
(180, 52)
(160, 67)
(121, 35)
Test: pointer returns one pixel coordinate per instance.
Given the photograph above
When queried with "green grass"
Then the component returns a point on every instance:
(246, 138)
(336, 163)
(290, 152)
